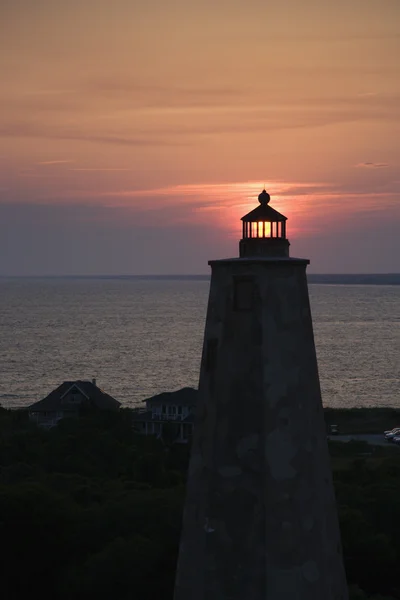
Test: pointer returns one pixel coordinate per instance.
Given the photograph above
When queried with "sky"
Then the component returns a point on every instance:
(134, 134)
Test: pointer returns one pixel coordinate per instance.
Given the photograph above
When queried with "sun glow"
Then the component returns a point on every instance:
(264, 229)
(220, 205)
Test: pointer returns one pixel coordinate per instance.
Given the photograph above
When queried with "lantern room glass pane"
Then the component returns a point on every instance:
(262, 229)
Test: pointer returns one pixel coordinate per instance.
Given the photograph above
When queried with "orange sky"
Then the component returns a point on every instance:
(135, 133)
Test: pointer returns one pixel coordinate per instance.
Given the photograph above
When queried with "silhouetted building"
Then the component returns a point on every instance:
(70, 399)
(260, 519)
(174, 408)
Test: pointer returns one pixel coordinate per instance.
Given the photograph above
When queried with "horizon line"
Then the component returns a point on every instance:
(175, 275)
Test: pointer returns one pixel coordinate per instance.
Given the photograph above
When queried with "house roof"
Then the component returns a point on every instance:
(185, 397)
(59, 398)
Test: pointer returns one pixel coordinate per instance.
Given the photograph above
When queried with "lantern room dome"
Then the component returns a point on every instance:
(264, 212)
(264, 197)
(264, 231)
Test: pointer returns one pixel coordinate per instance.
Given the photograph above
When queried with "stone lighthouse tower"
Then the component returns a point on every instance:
(260, 519)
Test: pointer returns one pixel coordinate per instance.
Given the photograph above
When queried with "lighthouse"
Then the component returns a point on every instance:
(260, 518)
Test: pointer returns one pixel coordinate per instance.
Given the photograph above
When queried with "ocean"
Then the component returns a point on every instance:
(139, 336)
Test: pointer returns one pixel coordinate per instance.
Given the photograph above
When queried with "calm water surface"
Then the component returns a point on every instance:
(139, 337)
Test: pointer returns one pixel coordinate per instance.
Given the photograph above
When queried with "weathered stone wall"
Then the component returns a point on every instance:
(260, 519)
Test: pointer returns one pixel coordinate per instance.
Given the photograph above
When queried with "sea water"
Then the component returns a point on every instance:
(142, 336)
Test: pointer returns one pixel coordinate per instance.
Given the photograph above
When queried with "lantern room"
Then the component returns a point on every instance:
(264, 231)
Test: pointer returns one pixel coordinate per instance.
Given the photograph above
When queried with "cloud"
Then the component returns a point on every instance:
(373, 165)
(174, 203)
(90, 169)
(180, 116)
(183, 124)
(115, 85)
(134, 113)
(28, 130)
(54, 162)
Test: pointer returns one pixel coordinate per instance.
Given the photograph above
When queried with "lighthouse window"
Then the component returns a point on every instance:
(243, 293)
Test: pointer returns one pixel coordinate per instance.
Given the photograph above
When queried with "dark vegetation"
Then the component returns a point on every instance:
(363, 420)
(90, 510)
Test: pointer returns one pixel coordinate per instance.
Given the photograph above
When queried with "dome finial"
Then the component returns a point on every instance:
(264, 197)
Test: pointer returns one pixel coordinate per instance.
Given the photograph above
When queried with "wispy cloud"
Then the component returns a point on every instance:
(29, 130)
(227, 202)
(126, 86)
(243, 192)
(313, 208)
(367, 94)
(96, 169)
(373, 165)
(238, 194)
(54, 162)
(172, 118)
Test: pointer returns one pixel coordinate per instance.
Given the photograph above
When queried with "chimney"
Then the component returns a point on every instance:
(94, 381)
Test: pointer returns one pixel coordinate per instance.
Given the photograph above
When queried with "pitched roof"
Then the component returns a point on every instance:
(264, 212)
(61, 397)
(187, 396)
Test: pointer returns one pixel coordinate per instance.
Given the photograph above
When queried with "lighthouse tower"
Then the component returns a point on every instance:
(260, 520)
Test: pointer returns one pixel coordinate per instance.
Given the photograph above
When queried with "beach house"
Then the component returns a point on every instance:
(170, 410)
(70, 399)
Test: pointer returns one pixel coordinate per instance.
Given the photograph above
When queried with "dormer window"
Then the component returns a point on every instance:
(75, 397)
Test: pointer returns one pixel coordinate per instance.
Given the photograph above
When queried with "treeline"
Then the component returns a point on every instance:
(367, 486)
(90, 510)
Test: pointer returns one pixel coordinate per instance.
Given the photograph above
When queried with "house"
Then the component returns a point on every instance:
(68, 400)
(173, 408)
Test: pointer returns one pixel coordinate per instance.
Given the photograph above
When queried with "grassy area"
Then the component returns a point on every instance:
(362, 420)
